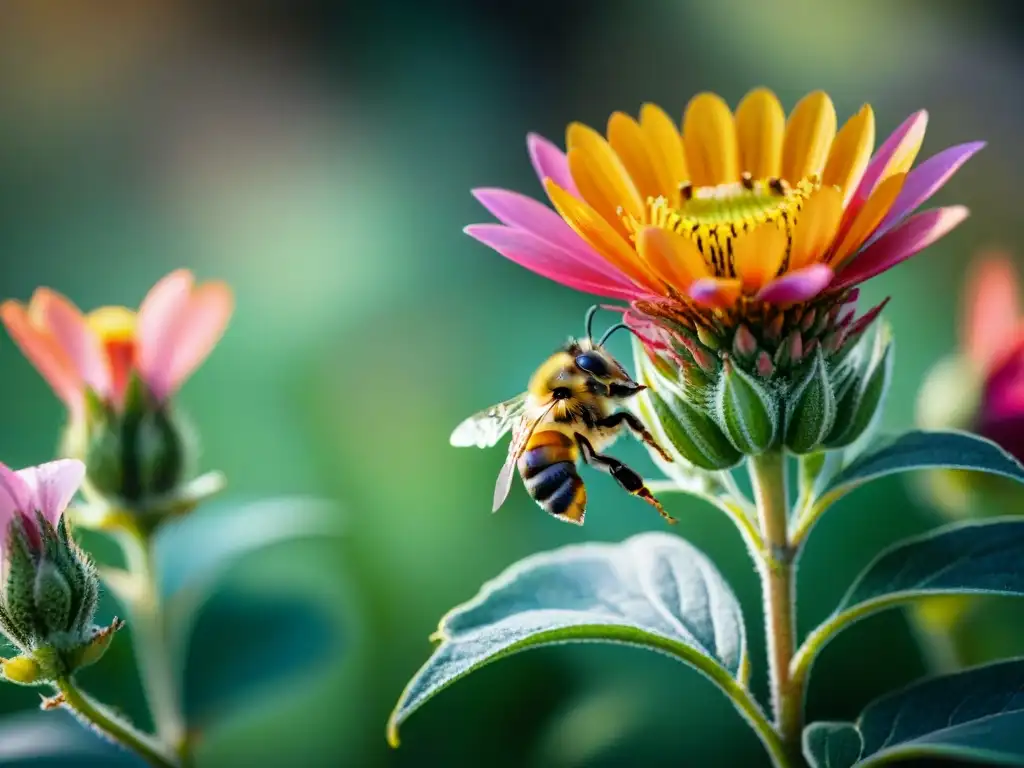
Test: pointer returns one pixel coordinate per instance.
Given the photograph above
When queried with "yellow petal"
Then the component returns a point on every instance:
(809, 133)
(868, 218)
(758, 256)
(760, 125)
(906, 152)
(816, 227)
(667, 147)
(599, 174)
(850, 153)
(593, 228)
(671, 257)
(631, 145)
(709, 138)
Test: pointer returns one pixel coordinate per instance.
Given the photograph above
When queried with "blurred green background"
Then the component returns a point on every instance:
(319, 157)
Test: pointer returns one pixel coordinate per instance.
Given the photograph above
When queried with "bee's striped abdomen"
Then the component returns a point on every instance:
(548, 469)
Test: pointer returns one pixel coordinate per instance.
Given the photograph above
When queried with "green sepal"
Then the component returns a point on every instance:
(52, 595)
(19, 595)
(857, 407)
(691, 432)
(747, 410)
(689, 428)
(811, 408)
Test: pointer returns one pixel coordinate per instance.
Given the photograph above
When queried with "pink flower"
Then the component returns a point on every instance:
(46, 489)
(993, 343)
(175, 328)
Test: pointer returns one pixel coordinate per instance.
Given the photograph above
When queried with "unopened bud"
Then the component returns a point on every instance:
(744, 345)
(138, 457)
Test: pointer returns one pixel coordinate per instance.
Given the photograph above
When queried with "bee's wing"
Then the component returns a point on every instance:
(486, 428)
(525, 427)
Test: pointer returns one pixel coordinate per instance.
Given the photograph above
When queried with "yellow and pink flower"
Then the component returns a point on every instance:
(175, 329)
(731, 217)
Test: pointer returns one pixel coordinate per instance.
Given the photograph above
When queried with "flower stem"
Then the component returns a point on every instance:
(118, 730)
(156, 668)
(771, 495)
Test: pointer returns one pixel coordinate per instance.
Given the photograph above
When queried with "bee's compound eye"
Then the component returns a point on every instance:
(592, 364)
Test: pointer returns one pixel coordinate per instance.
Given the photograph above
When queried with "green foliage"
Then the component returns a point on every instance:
(976, 715)
(924, 450)
(653, 590)
(960, 559)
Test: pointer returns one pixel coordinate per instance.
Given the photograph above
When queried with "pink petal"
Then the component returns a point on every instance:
(924, 181)
(913, 235)
(528, 250)
(549, 162)
(160, 316)
(909, 132)
(53, 485)
(205, 321)
(992, 314)
(522, 212)
(79, 343)
(15, 499)
(801, 285)
(44, 353)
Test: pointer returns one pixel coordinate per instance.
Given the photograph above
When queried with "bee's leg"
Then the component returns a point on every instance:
(636, 426)
(627, 478)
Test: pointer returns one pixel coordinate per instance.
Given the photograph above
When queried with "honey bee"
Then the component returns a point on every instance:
(567, 414)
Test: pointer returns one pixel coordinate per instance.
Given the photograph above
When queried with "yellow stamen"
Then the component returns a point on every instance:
(712, 218)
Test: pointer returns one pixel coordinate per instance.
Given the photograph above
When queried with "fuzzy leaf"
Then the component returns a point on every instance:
(963, 558)
(832, 745)
(653, 590)
(976, 715)
(925, 450)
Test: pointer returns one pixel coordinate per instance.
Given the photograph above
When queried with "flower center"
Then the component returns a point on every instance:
(115, 327)
(713, 217)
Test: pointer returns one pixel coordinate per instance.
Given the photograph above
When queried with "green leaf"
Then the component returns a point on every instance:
(832, 745)
(975, 715)
(653, 590)
(925, 450)
(977, 557)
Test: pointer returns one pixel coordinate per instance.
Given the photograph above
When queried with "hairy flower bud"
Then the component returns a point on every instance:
(49, 592)
(139, 457)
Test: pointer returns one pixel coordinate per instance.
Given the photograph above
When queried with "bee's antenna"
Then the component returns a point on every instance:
(589, 321)
(612, 330)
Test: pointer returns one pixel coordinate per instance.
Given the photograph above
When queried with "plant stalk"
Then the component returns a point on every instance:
(777, 568)
(112, 726)
(160, 681)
